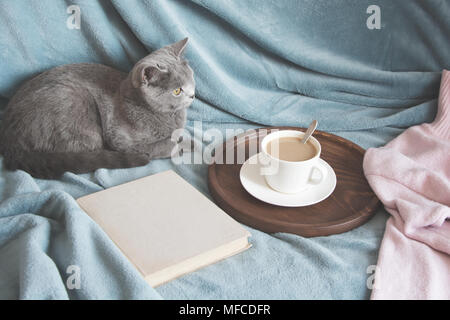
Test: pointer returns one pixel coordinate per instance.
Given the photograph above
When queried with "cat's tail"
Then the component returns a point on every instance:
(52, 165)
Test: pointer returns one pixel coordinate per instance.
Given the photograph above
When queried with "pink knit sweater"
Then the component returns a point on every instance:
(411, 176)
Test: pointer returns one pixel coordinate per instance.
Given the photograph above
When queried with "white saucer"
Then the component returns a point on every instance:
(256, 185)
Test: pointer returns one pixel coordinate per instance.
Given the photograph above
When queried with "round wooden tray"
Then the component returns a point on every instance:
(350, 205)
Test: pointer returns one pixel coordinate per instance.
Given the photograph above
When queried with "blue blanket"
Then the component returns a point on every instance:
(256, 63)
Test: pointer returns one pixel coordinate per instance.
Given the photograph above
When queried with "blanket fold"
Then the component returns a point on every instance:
(411, 176)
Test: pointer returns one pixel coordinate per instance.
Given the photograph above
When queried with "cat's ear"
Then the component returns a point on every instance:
(178, 47)
(145, 74)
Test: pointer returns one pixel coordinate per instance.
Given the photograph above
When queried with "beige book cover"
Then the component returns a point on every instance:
(165, 226)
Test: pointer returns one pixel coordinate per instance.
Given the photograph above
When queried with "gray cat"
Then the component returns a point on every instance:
(82, 117)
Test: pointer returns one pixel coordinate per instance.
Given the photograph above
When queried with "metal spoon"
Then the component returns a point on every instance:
(310, 131)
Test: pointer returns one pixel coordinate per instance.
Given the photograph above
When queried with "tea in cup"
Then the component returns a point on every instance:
(288, 165)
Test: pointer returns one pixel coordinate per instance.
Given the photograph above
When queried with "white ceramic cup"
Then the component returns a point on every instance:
(290, 176)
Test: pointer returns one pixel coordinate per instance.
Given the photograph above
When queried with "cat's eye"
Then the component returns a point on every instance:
(177, 91)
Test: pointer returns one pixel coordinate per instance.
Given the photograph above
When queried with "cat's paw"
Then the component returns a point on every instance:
(142, 158)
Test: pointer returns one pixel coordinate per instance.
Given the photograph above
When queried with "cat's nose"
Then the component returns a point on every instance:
(192, 97)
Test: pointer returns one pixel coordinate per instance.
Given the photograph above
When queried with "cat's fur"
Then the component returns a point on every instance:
(82, 117)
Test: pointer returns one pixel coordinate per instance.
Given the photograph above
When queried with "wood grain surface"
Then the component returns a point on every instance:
(351, 204)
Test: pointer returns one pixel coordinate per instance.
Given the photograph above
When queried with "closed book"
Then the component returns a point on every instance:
(165, 226)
